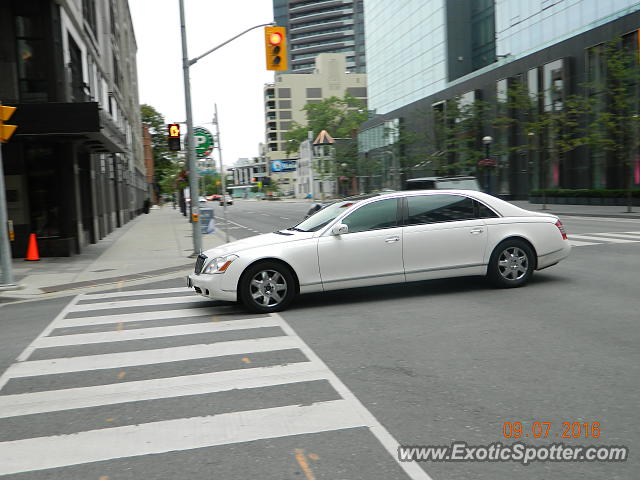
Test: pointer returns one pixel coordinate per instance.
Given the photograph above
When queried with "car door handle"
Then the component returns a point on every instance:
(475, 231)
(392, 239)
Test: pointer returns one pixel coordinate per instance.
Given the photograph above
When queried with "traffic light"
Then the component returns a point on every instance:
(174, 137)
(275, 42)
(6, 130)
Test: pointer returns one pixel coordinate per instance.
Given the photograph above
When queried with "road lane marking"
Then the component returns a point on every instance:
(177, 435)
(155, 332)
(147, 302)
(158, 388)
(32, 368)
(186, 433)
(594, 236)
(135, 293)
(130, 317)
(285, 218)
(624, 235)
(577, 243)
(304, 465)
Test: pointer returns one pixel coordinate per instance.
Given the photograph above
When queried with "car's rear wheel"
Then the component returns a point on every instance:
(267, 287)
(511, 264)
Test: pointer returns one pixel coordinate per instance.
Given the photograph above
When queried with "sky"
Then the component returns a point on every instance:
(233, 77)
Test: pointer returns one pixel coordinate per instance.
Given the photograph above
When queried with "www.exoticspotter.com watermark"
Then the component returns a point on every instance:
(516, 452)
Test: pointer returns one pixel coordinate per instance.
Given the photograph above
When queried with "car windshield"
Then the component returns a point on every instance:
(324, 216)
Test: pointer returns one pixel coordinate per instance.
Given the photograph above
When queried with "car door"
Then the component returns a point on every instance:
(443, 236)
(369, 254)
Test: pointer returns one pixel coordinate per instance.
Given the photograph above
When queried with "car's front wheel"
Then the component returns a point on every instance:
(511, 264)
(267, 287)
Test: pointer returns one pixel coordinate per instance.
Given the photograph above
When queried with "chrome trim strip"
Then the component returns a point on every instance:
(350, 279)
(446, 268)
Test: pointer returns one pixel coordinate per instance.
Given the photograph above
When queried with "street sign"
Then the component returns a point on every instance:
(204, 142)
(207, 220)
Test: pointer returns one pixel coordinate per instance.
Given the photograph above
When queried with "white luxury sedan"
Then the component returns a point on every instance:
(381, 239)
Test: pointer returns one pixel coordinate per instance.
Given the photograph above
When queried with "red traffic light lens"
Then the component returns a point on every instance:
(275, 38)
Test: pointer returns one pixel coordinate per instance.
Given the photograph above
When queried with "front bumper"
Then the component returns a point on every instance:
(210, 286)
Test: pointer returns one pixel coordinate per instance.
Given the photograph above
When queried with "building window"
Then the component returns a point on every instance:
(75, 71)
(483, 33)
(357, 91)
(284, 93)
(31, 53)
(285, 115)
(89, 14)
(314, 93)
(284, 104)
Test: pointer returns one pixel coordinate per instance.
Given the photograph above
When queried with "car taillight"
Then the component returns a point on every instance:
(562, 230)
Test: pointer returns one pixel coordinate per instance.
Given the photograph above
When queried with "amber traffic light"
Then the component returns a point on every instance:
(174, 137)
(275, 42)
(6, 130)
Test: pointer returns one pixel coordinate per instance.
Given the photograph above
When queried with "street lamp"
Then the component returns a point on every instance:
(487, 155)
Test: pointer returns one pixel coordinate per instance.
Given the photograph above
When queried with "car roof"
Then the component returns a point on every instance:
(439, 179)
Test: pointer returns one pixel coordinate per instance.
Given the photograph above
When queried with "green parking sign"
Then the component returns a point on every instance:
(204, 142)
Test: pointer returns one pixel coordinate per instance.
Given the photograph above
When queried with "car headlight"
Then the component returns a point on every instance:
(219, 264)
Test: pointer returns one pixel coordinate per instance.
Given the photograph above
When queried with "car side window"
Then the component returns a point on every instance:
(484, 211)
(439, 208)
(373, 216)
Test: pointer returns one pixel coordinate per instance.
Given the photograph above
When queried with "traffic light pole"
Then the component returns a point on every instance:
(222, 175)
(5, 247)
(190, 144)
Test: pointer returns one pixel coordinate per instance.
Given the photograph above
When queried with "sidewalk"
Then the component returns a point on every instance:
(148, 246)
(582, 210)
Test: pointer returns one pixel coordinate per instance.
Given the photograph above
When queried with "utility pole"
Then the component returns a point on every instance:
(5, 247)
(6, 131)
(222, 175)
(190, 144)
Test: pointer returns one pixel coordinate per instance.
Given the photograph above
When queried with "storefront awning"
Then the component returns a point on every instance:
(79, 121)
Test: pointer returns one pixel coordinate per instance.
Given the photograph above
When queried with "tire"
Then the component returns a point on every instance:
(511, 264)
(273, 296)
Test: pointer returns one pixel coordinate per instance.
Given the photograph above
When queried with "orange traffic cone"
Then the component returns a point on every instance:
(32, 250)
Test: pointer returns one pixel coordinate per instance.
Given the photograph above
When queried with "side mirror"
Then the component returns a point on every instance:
(339, 229)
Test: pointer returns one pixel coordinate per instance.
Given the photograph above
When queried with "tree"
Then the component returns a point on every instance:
(614, 123)
(341, 117)
(163, 159)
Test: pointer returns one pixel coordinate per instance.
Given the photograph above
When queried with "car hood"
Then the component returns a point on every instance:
(258, 241)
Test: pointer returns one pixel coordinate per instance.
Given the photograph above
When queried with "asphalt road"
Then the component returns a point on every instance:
(424, 364)
(249, 217)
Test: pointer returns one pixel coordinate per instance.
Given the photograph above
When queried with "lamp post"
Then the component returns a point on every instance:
(487, 155)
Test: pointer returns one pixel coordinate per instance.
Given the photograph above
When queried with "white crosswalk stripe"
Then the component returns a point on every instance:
(584, 239)
(140, 438)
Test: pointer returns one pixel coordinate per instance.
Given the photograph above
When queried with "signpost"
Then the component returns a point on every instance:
(204, 142)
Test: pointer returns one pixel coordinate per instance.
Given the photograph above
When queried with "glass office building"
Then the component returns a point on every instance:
(322, 26)
(421, 54)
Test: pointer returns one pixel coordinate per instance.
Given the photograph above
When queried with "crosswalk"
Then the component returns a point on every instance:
(581, 240)
(117, 350)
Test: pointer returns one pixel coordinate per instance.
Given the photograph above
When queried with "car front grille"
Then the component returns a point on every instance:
(200, 263)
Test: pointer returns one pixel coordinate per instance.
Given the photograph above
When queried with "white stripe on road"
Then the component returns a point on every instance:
(176, 435)
(157, 332)
(84, 397)
(32, 368)
(285, 218)
(135, 293)
(594, 236)
(147, 302)
(576, 243)
(625, 235)
(133, 317)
